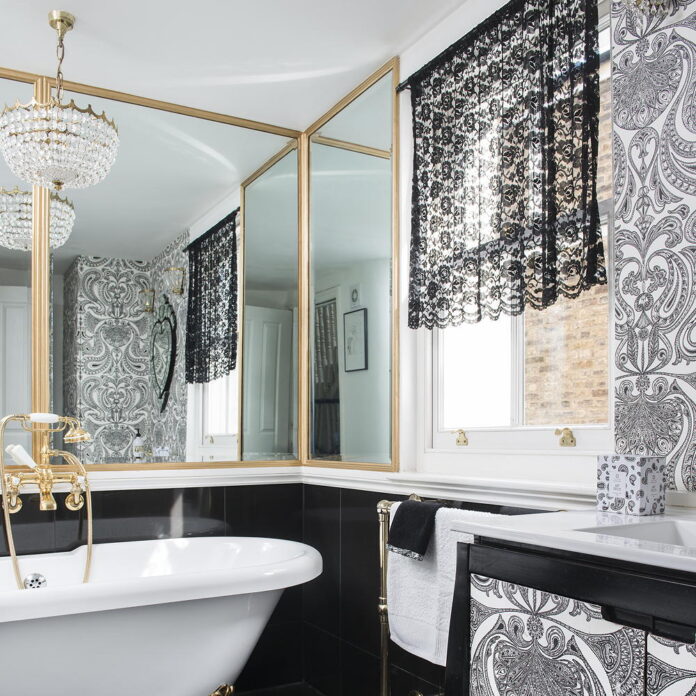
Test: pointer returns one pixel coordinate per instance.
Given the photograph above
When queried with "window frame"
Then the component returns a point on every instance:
(203, 446)
(534, 439)
(439, 444)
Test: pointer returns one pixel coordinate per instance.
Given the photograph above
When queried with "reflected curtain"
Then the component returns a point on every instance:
(504, 204)
(327, 414)
(211, 320)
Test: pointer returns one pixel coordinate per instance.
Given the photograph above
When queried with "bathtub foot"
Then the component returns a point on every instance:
(223, 690)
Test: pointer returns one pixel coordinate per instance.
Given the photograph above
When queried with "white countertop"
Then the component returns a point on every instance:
(561, 530)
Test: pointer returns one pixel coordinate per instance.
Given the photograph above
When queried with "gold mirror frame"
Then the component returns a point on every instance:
(392, 67)
(40, 269)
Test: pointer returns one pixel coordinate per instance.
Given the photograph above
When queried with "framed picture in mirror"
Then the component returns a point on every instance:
(355, 341)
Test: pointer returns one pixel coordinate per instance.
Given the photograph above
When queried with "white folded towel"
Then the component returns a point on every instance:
(419, 593)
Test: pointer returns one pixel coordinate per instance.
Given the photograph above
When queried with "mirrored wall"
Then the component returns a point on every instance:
(311, 330)
(270, 356)
(121, 282)
(351, 276)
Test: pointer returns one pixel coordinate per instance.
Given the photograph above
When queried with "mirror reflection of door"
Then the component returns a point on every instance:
(268, 381)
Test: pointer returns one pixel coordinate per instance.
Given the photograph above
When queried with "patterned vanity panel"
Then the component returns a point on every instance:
(671, 669)
(525, 642)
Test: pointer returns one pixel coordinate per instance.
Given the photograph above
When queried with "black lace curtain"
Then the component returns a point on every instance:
(211, 320)
(504, 209)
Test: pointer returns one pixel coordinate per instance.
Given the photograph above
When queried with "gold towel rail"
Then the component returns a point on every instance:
(383, 514)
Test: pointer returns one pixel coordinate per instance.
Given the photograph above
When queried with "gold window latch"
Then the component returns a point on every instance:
(567, 437)
(462, 439)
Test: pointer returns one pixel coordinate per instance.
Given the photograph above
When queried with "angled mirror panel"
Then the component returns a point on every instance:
(351, 244)
(366, 120)
(121, 282)
(269, 412)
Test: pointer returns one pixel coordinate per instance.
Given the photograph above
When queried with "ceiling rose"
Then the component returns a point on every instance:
(16, 219)
(58, 145)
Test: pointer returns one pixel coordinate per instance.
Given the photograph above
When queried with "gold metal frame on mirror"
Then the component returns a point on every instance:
(241, 262)
(40, 263)
(311, 135)
(40, 266)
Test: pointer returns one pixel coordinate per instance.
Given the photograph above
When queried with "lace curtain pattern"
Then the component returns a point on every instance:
(504, 207)
(211, 328)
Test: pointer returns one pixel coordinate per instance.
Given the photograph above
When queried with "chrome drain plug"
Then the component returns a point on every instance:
(35, 581)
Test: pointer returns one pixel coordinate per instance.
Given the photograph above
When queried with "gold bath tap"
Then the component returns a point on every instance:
(44, 475)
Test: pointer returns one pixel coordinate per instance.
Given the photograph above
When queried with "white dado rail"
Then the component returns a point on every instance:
(525, 493)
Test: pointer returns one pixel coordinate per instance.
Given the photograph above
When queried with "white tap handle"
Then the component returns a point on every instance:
(43, 417)
(20, 456)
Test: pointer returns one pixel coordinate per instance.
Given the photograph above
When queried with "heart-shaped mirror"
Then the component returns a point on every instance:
(163, 351)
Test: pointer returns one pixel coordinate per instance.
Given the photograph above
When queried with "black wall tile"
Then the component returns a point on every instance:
(360, 568)
(32, 529)
(322, 660)
(277, 658)
(403, 684)
(147, 514)
(265, 511)
(322, 530)
(359, 672)
(411, 664)
(300, 689)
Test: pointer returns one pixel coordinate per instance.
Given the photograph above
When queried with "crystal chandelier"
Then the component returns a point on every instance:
(652, 8)
(16, 219)
(58, 145)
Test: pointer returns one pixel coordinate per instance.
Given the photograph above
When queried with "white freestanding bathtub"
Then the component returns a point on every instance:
(177, 617)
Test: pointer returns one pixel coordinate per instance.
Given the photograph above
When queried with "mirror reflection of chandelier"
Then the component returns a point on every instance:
(653, 8)
(58, 145)
(16, 219)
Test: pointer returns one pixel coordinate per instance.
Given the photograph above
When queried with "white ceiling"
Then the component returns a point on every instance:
(279, 61)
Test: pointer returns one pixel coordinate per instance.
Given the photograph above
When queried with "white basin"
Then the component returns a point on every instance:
(673, 532)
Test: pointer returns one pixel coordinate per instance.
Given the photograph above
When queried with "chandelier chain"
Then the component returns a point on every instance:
(60, 54)
(57, 145)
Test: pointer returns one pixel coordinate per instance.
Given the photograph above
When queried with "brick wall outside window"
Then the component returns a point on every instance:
(566, 368)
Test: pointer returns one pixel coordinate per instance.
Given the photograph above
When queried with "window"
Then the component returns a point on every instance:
(510, 383)
(214, 410)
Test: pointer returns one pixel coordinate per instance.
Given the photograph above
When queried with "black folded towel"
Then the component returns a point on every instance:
(412, 528)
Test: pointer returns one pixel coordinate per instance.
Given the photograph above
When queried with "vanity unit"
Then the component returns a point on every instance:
(575, 603)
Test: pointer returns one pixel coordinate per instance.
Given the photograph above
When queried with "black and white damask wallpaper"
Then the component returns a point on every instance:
(168, 429)
(106, 370)
(525, 642)
(654, 112)
(671, 668)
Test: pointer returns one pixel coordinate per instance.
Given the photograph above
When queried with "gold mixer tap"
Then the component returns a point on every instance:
(44, 475)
